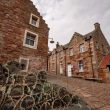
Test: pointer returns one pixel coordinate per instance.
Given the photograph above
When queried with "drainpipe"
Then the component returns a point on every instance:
(47, 62)
(89, 40)
(56, 62)
(91, 60)
(65, 62)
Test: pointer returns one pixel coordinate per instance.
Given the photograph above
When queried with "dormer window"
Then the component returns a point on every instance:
(30, 40)
(34, 20)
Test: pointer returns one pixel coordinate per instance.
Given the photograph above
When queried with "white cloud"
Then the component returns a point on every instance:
(65, 17)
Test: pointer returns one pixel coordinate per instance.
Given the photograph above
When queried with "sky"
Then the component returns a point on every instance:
(64, 17)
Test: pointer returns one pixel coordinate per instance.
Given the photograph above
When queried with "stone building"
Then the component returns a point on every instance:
(57, 60)
(104, 68)
(23, 34)
(82, 55)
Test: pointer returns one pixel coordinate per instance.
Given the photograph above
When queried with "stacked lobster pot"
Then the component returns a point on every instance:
(32, 91)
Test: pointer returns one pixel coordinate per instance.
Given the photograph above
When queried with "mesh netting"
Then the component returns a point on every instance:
(32, 91)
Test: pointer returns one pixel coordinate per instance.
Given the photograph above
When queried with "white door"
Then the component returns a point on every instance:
(61, 69)
(69, 70)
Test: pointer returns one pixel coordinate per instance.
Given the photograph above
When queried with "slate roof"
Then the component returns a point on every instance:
(66, 46)
(89, 34)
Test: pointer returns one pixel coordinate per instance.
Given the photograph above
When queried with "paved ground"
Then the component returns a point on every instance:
(95, 94)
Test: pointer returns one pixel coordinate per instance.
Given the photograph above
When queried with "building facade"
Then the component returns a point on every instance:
(82, 55)
(23, 34)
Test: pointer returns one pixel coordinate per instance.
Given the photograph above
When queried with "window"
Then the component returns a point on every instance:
(82, 49)
(108, 50)
(81, 66)
(108, 66)
(24, 64)
(34, 20)
(30, 40)
(71, 52)
(97, 45)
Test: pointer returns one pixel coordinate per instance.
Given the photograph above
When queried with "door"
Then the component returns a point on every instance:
(61, 68)
(69, 70)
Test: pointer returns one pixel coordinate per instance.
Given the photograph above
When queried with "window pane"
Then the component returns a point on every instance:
(30, 39)
(30, 36)
(82, 48)
(27, 41)
(81, 66)
(34, 20)
(31, 42)
(71, 52)
(23, 64)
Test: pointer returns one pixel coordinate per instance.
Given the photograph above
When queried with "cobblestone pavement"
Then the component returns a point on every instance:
(95, 94)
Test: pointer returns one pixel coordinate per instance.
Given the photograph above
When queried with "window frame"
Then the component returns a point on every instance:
(35, 42)
(37, 22)
(71, 53)
(80, 65)
(27, 66)
(80, 49)
(97, 46)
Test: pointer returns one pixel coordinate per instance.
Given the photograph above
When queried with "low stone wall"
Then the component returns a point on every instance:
(104, 74)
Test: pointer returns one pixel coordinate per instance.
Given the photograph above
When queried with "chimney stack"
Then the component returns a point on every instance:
(57, 45)
(97, 26)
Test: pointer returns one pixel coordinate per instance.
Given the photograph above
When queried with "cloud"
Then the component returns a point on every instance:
(65, 17)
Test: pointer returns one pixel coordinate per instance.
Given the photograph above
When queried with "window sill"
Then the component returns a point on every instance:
(82, 52)
(37, 26)
(31, 47)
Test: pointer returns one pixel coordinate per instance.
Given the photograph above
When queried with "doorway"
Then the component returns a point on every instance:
(69, 70)
(61, 68)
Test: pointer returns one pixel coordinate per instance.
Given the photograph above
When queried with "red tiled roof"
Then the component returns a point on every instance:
(105, 61)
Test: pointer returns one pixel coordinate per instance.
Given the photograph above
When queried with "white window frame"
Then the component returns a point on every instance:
(71, 53)
(38, 21)
(27, 66)
(82, 65)
(35, 43)
(82, 49)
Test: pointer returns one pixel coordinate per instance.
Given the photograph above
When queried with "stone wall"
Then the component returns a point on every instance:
(14, 20)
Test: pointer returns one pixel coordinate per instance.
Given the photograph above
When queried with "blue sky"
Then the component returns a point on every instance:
(65, 17)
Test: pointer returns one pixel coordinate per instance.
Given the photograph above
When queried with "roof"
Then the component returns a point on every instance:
(105, 61)
(75, 34)
(89, 34)
(66, 46)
